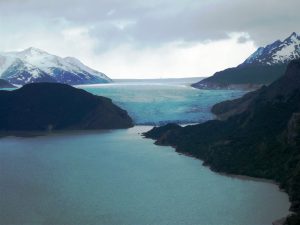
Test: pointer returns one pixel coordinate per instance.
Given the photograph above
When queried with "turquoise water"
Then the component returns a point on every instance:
(159, 103)
(119, 178)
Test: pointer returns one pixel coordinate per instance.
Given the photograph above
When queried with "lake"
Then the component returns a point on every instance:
(117, 177)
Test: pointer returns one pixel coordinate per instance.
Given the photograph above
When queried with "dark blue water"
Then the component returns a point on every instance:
(119, 178)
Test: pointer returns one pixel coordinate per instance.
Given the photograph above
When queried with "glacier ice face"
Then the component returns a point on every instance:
(161, 103)
(37, 66)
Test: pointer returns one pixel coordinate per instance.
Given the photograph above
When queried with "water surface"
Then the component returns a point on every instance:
(119, 178)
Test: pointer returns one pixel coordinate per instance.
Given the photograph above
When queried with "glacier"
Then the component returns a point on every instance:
(157, 103)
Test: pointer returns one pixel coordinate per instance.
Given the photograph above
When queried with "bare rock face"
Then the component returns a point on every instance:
(54, 106)
(5, 84)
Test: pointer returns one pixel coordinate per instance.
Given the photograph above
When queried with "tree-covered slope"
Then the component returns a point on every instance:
(242, 77)
(54, 106)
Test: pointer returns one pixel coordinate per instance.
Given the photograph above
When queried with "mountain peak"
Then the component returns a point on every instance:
(32, 64)
(32, 50)
(293, 37)
(294, 34)
(279, 52)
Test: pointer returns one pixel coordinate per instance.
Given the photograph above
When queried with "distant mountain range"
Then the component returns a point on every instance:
(35, 65)
(264, 66)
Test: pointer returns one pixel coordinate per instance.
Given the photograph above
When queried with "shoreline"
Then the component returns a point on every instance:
(233, 176)
(229, 175)
(279, 221)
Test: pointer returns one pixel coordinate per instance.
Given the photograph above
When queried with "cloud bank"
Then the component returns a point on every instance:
(161, 38)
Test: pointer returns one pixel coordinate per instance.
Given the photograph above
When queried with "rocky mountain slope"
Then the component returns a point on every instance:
(262, 67)
(5, 84)
(34, 65)
(260, 139)
(279, 52)
(53, 106)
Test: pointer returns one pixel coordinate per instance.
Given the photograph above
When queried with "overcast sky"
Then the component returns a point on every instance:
(148, 39)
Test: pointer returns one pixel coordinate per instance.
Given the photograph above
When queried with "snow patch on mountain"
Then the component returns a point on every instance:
(5, 62)
(20, 72)
(279, 52)
(284, 53)
(37, 64)
(81, 67)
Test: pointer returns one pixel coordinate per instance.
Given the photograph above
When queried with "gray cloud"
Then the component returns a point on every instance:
(114, 22)
(242, 39)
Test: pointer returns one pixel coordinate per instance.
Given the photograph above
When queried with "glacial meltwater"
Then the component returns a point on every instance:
(117, 177)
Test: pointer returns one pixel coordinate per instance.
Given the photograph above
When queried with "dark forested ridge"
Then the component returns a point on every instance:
(250, 76)
(54, 106)
(259, 136)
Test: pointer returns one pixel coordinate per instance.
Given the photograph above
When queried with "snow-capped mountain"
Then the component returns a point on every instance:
(35, 65)
(263, 67)
(279, 52)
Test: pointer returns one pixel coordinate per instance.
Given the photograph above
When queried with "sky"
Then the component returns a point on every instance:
(148, 39)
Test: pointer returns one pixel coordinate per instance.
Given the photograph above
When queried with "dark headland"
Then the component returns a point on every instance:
(54, 106)
(258, 136)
